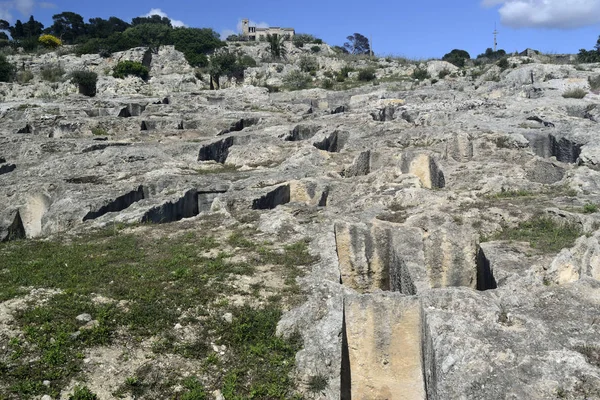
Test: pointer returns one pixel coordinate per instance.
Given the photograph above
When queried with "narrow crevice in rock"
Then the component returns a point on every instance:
(185, 207)
(97, 147)
(205, 199)
(428, 359)
(301, 132)
(332, 143)
(6, 168)
(216, 151)
(346, 373)
(360, 166)
(546, 146)
(132, 110)
(339, 110)
(485, 274)
(16, 230)
(240, 125)
(26, 129)
(400, 279)
(369, 260)
(276, 197)
(425, 167)
(88, 179)
(118, 204)
(324, 198)
(384, 114)
(148, 125)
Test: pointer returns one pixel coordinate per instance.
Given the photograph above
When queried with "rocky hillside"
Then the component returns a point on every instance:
(387, 238)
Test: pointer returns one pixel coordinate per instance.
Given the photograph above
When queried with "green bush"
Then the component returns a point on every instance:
(226, 63)
(50, 41)
(195, 389)
(420, 74)
(457, 57)
(328, 84)
(24, 76)
(83, 393)
(86, 80)
(443, 73)
(366, 75)
(315, 49)
(577, 93)
(125, 68)
(308, 64)
(296, 80)
(7, 70)
(52, 73)
(301, 39)
(503, 63)
(342, 74)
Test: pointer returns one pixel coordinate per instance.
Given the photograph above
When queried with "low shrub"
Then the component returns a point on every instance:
(315, 49)
(342, 74)
(83, 393)
(308, 64)
(327, 84)
(503, 63)
(366, 75)
(594, 82)
(7, 70)
(24, 76)
(87, 82)
(420, 74)
(50, 41)
(296, 80)
(52, 73)
(577, 93)
(126, 68)
(444, 73)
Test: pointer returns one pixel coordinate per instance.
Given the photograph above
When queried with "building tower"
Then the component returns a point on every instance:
(245, 28)
(495, 38)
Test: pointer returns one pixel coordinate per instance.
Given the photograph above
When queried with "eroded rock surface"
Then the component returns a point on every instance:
(400, 191)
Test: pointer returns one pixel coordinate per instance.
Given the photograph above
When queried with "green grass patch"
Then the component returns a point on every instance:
(510, 194)
(577, 93)
(160, 278)
(263, 361)
(542, 233)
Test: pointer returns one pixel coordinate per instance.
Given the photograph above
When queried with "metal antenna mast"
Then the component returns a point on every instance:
(495, 38)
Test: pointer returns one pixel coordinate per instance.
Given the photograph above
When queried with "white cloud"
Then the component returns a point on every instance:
(24, 7)
(46, 4)
(157, 11)
(561, 14)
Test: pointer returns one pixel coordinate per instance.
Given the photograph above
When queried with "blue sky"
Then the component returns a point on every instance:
(416, 29)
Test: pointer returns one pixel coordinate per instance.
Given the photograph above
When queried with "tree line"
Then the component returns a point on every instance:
(106, 36)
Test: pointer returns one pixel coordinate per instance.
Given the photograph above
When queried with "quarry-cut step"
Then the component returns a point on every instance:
(383, 359)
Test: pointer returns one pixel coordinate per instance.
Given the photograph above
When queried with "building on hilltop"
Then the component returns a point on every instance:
(253, 33)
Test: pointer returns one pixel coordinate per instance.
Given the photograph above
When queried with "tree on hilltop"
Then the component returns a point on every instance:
(457, 57)
(357, 44)
(68, 26)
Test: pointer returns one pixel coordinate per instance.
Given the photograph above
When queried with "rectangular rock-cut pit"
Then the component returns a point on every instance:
(383, 356)
(380, 258)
